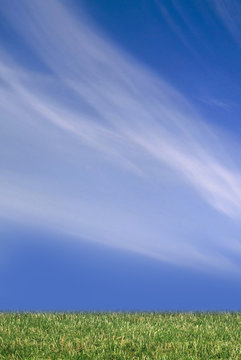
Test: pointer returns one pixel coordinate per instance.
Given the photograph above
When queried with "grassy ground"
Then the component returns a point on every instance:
(120, 336)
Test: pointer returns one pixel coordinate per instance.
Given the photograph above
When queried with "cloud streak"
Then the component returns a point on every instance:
(97, 105)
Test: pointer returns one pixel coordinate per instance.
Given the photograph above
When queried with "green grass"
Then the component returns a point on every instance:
(120, 336)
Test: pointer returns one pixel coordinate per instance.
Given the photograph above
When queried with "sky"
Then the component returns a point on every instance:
(120, 174)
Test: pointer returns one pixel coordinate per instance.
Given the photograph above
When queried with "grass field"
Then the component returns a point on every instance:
(120, 336)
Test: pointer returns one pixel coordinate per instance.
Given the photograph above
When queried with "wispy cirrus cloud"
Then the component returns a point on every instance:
(229, 12)
(100, 126)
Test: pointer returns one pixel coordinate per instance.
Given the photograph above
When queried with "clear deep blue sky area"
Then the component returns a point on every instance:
(120, 166)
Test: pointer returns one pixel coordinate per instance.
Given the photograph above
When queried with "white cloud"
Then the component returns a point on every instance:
(229, 12)
(127, 115)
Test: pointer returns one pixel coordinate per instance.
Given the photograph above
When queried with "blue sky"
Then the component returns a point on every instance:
(120, 172)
